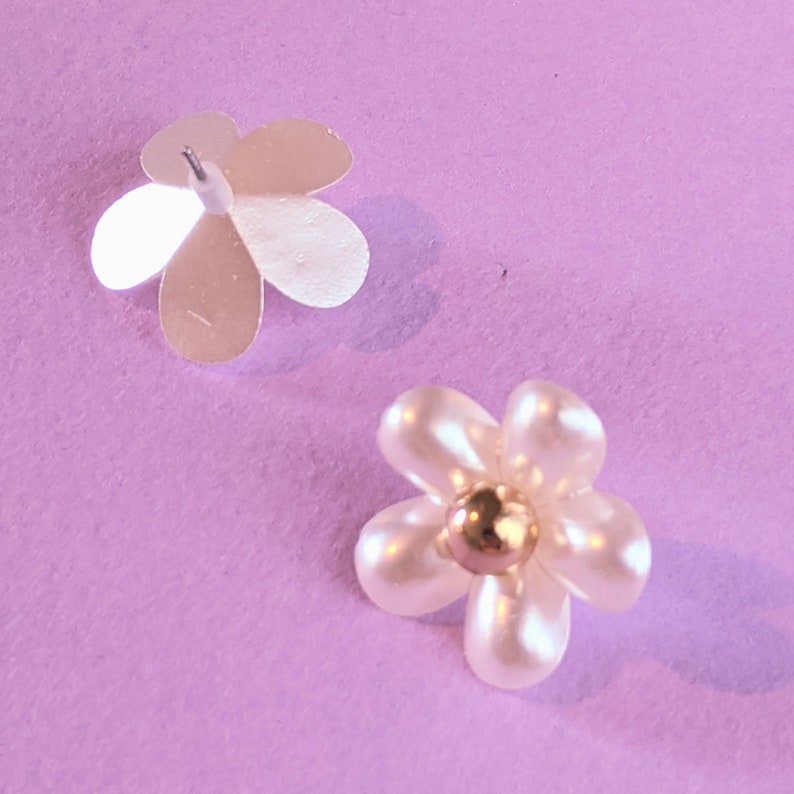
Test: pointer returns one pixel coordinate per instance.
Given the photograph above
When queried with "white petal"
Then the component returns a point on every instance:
(440, 439)
(138, 234)
(553, 443)
(211, 294)
(400, 561)
(595, 544)
(517, 626)
(305, 248)
(288, 157)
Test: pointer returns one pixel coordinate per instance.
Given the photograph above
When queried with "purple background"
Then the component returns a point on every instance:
(595, 193)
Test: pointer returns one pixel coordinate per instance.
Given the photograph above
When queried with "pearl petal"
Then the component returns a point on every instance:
(552, 442)
(517, 626)
(595, 544)
(440, 439)
(398, 561)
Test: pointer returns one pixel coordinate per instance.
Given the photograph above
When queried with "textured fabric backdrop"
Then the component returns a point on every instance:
(595, 193)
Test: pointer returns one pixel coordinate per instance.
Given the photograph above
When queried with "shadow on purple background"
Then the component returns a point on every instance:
(696, 604)
(701, 615)
(390, 308)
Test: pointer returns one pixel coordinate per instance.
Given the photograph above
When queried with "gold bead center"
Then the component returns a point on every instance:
(490, 528)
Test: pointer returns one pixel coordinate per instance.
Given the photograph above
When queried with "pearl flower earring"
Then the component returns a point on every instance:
(510, 516)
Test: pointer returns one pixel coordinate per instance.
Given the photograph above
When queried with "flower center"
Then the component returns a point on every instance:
(490, 528)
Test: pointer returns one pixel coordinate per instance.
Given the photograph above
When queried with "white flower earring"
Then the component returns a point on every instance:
(225, 213)
(510, 516)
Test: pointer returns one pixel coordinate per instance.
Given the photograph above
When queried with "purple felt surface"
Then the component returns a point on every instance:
(597, 193)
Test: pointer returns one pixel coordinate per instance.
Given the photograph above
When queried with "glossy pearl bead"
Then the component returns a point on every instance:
(490, 528)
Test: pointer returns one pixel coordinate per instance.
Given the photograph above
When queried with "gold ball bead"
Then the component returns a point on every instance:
(490, 528)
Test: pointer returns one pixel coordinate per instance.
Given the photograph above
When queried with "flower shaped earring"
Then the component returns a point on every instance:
(222, 214)
(509, 515)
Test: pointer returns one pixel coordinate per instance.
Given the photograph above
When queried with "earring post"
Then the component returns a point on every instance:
(194, 163)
